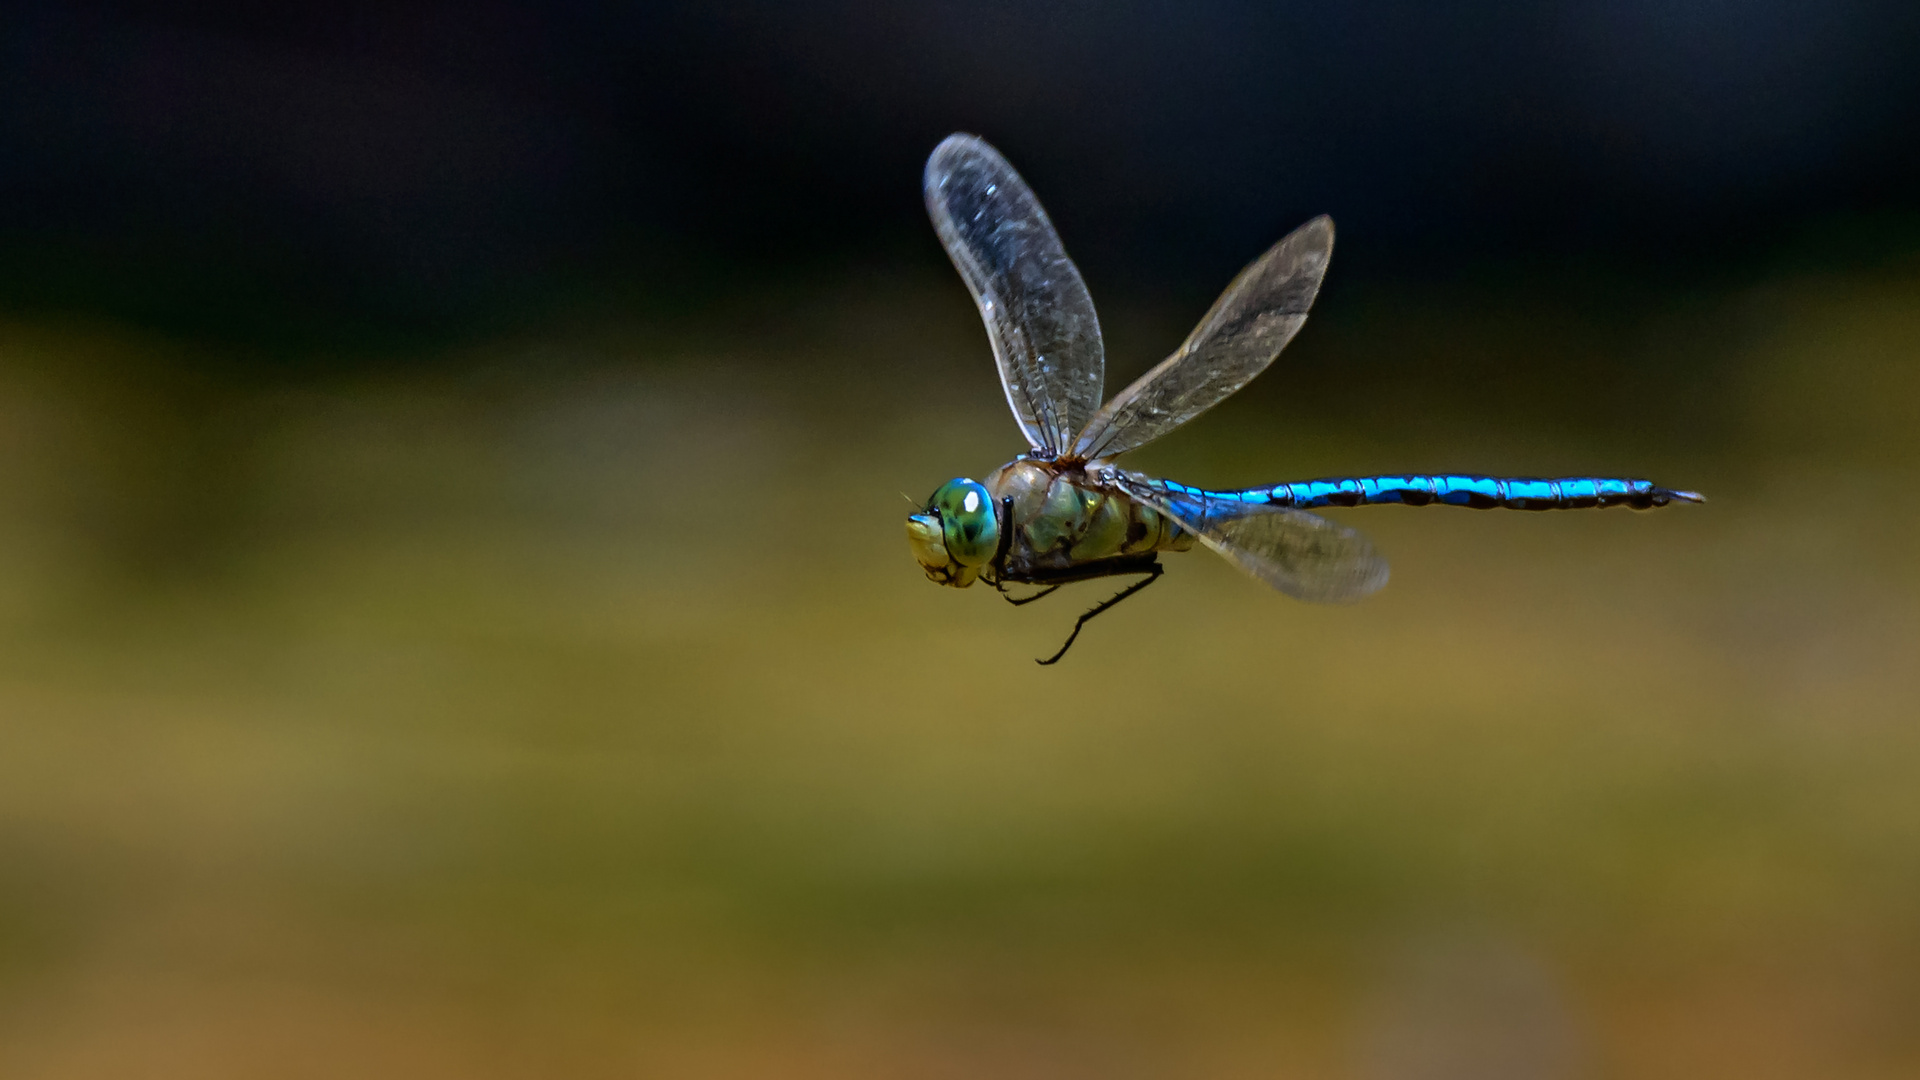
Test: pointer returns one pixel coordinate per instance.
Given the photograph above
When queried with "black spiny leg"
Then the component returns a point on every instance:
(1153, 573)
(1016, 601)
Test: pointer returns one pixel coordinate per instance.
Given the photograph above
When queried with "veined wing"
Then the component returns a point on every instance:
(1247, 327)
(1046, 338)
(1303, 555)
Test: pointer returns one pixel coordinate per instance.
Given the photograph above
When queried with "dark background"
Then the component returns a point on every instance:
(328, 174)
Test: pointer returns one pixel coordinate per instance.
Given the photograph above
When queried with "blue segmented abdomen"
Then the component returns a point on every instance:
(1473, 492)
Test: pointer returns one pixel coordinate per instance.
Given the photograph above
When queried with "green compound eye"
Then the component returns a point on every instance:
(968, 521)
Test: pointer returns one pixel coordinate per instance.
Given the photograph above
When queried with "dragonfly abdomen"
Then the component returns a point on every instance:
(1473, 492)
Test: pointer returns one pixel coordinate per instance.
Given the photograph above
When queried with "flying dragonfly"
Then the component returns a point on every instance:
(1064, 512)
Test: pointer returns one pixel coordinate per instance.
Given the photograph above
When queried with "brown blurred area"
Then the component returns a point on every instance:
(568, 705)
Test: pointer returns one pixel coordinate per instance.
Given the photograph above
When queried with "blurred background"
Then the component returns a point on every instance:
(455, 619)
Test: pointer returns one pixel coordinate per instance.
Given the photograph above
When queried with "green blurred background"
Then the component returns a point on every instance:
(455, 619)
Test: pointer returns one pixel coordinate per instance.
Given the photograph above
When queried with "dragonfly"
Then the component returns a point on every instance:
(1065, 512)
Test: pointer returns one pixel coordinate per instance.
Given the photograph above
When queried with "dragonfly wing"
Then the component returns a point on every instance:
(1247, 327)
(1046, 338)
(1303, 555)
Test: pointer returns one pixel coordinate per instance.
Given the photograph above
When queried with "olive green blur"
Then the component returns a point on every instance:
(566, 705)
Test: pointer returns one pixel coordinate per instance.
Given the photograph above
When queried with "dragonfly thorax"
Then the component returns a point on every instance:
(1065, 515)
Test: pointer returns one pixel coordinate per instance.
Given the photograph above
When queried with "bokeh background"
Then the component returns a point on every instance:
(455, 619)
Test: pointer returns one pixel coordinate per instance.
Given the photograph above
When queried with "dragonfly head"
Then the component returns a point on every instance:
(957, 534)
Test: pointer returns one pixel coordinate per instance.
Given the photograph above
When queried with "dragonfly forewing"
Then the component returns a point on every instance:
(1046, 337)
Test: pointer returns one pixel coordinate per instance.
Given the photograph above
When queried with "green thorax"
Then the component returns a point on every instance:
(1060, 520)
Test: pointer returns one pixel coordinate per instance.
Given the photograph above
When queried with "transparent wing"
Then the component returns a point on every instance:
(1248, 326)
(1046, 338)
(1303, 555)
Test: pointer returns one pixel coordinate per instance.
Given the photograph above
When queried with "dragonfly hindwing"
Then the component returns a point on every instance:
(1236, 340)
(1301, 554)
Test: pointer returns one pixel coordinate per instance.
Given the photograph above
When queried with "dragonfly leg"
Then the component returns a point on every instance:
(999, 560)
(1016, 601)
(1153, 573)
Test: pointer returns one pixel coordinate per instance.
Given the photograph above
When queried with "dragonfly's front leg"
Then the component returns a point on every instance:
(1153, 572)
(1017, 601)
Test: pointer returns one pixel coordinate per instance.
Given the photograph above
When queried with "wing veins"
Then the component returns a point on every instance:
(1236, 340)
(1045, 333)
(1301, 554)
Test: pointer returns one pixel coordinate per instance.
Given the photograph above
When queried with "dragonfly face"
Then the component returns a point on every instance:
(957, 534)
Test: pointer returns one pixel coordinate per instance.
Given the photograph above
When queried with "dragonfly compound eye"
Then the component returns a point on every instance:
(956, 534)
(968, 524)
